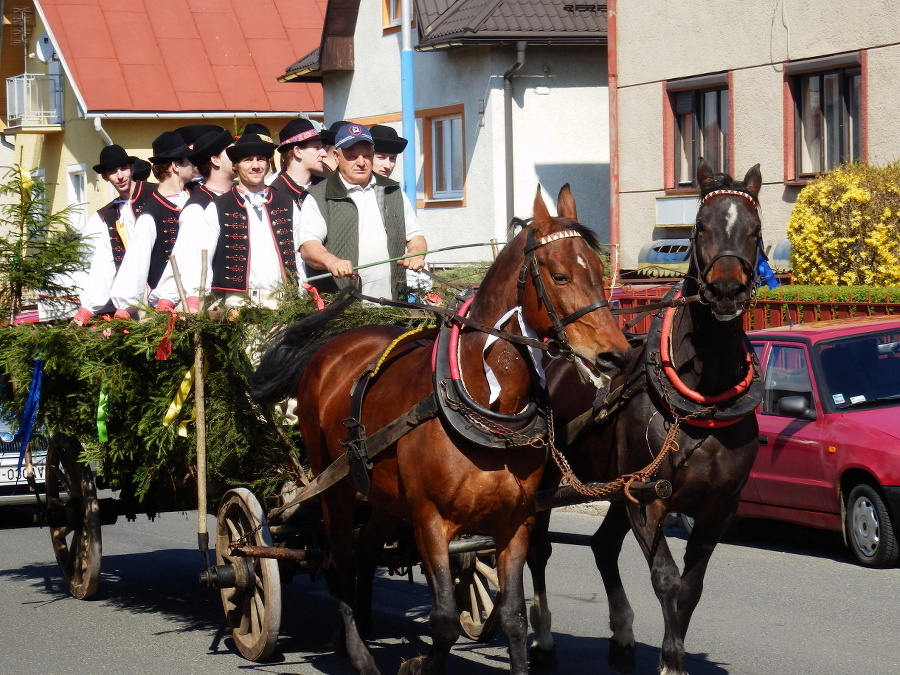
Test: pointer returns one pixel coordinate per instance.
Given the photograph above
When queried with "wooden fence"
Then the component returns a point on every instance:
(762, 314)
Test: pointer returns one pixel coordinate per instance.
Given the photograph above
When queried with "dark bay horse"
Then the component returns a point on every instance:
(690, 392)
(435, 477)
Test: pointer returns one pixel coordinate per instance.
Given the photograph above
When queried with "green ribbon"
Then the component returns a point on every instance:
(102, 412)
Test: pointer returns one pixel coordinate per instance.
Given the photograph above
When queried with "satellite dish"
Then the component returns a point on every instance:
(44, 50)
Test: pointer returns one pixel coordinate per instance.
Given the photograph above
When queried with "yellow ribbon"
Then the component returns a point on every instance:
(181, 394)
(123, 233)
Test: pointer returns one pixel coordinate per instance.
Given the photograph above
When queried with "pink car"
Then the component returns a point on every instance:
(829, 424)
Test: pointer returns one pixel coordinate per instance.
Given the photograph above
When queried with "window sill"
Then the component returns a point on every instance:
(440, 203)
(681, 191)
(798, 182)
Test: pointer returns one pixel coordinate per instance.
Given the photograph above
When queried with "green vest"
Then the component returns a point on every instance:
(342, 221)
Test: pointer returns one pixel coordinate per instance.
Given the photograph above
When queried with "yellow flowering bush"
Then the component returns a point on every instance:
(845, 227)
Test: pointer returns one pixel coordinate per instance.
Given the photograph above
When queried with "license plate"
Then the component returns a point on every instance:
(10, 474)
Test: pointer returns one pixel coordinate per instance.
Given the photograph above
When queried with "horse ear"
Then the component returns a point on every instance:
(704, 172)
(541, 214)
(753, 180)
(565, 203)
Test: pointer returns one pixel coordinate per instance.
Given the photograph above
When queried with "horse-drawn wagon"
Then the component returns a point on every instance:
(447, 431)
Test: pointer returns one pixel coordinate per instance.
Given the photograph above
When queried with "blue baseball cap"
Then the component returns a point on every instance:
(352, 133)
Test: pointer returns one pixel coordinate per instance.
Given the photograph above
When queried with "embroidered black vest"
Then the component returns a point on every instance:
(110, 214)
(165, 216)
(201, 195)
(232, 260)
(287, 185)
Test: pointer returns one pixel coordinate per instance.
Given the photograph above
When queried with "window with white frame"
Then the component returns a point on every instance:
(701, 131)
(391, 12)
(827, 128)
(77, 187)
(447, 157)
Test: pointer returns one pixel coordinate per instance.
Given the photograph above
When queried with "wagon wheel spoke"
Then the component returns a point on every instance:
(253, 609)
(74, 514)
(476, 591)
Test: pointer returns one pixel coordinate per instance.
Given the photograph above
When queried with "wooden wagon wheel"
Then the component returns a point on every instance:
(253, 606)
(477, 586)
(73, 514)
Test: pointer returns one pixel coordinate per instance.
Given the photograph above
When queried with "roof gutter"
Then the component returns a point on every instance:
(194, 114)
(508, 131)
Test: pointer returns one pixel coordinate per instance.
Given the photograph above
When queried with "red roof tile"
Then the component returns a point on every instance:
(186, 55)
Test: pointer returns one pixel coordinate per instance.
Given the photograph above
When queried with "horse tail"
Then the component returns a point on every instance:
(288, 352)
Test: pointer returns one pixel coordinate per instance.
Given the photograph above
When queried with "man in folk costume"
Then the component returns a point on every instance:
(210, 158)
(302, 159)
(108, 232)
(387, 146)
(252, 229)
(156, 228)
(191, 133)
(356, 217)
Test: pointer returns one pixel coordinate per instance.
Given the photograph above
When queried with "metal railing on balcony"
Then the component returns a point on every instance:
(34, 100)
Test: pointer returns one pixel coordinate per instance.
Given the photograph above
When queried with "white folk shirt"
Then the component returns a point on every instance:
(265, 273)
(129, 290)
(376, 280)
(95, 283)
(188, 255)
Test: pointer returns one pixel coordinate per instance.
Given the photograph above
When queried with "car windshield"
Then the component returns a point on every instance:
(862, 371)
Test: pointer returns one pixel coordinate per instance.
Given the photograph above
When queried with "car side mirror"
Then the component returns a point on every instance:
(796, 406)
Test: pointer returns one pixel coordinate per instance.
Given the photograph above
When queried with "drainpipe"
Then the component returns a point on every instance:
(507, 113)
(613, 84)
(408, 103)
(98, 127)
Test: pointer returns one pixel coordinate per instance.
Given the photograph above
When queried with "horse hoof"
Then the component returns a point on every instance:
(542, 660)
(621, 658)
(412, 666)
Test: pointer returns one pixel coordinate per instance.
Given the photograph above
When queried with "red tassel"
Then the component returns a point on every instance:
(320, 303)
(164, 350)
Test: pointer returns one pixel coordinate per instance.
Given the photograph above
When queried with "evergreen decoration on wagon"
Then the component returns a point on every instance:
(845, 227)
(111, 371)
(38, 248)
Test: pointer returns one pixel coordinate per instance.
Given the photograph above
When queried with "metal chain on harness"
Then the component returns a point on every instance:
(513, 437)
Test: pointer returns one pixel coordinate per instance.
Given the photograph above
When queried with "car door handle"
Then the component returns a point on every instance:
(763, 440)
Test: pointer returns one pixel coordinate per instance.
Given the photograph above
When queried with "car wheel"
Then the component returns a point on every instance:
(870, 532)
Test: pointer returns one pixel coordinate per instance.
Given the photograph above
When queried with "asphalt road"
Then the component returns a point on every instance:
(777, 600)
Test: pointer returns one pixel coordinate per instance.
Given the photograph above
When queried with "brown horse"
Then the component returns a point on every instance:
(694, 384)
(434, 476)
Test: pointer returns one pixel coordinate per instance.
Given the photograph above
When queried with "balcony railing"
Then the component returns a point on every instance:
(34, 101)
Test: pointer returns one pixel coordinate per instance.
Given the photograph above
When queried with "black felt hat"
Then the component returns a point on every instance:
(141, 169)
(209, 145)
(168, 147)
(296, 131)
(192, 132)
(386, 139)
(250, 144)
(260, 130)
(112, 157)
(328, 134)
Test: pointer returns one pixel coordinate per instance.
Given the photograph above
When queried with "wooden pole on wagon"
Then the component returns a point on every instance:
(200, 408)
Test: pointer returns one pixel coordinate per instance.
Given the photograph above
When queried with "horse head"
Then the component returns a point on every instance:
(727, 240)
(561, 290)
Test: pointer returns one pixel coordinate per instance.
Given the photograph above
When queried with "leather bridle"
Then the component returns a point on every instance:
(531, 264)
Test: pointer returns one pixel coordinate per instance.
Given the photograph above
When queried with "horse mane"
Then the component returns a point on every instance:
(289, 350)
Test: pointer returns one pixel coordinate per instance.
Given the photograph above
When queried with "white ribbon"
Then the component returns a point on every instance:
(533, 351)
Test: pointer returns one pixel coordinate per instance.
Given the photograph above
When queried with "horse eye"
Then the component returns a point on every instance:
(560, 278)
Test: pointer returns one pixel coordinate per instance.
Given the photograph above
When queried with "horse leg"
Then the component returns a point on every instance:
(511, 604)
(704, 537)
(444, 619)
(337, 511)
(378, 529)
(647, 524)
(542, 653)
(606, 545)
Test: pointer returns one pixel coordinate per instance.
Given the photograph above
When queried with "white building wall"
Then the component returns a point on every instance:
(661, 40)
(561, 133)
